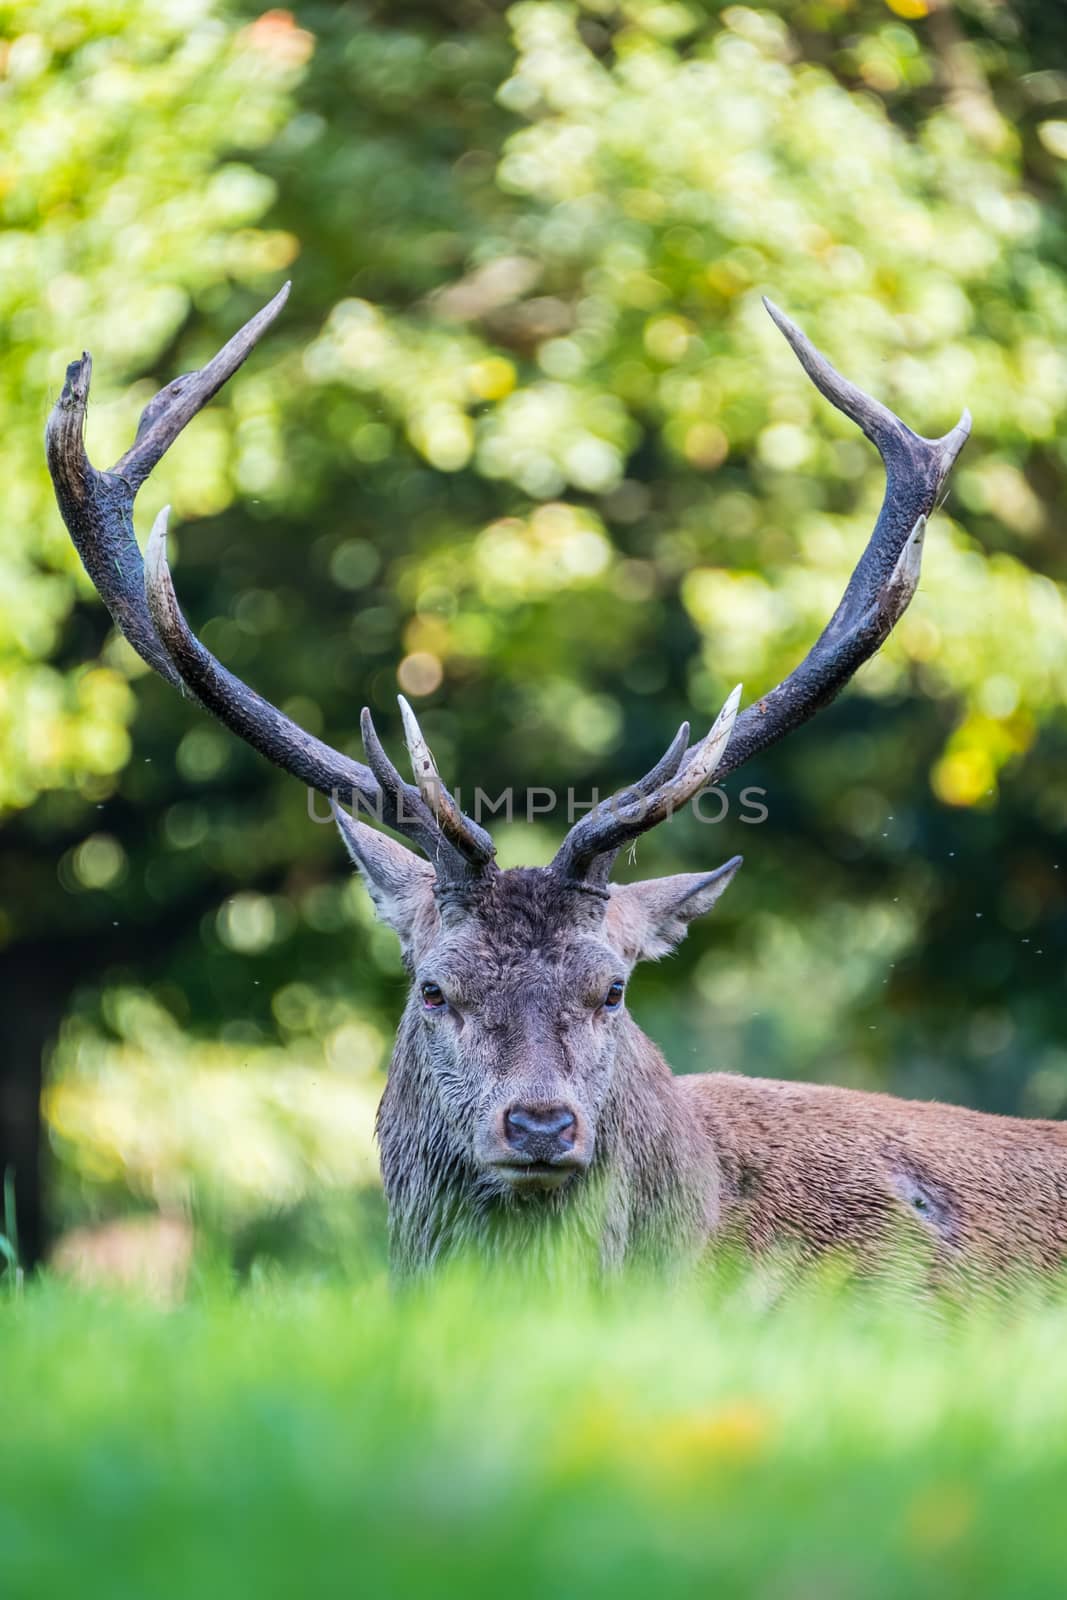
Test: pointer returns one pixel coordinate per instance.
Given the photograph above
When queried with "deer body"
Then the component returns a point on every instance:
(828, 1167)
(688, 1161)
(679, 1162)
(523, 1103)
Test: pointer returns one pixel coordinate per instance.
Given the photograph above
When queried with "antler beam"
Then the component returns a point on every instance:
(885, 577)
(97, 508)
(877, 595)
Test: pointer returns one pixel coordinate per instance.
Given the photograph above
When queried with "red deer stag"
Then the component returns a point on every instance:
(522, 1098)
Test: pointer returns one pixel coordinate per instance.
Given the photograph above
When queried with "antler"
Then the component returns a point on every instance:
(878, 593)
(97, 508)
(589, 849)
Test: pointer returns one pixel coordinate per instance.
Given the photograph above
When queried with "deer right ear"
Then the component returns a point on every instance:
(646, 920)
(399, 882)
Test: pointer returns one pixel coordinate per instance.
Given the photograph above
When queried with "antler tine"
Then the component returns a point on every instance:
(402, 805)
(405, 809)
(97, 508)
(587, 851)
(882, 426)
(665, 767)
(164, 417)
(468, 838)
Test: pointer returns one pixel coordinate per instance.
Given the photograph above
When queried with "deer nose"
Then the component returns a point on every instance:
(540, 1131)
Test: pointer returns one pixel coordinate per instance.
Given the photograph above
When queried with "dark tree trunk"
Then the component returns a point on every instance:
(31, 1005)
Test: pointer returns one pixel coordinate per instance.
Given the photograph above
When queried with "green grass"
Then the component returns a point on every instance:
(487, 1437)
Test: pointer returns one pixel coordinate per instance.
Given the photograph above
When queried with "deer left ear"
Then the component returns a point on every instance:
(400, 883)
(646, 920)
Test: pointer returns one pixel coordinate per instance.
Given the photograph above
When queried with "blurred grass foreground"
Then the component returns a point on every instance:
(484, 1437)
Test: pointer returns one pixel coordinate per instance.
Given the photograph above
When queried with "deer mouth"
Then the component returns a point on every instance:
(531, 1175)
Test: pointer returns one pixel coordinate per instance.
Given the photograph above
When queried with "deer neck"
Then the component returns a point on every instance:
(652, 1190)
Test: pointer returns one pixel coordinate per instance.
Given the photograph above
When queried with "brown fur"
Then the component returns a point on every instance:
(827, 1166)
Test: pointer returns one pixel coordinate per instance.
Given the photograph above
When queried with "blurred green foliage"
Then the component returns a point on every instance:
(526, 444)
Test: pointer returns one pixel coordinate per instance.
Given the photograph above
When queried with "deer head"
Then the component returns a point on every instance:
(517, 1003)
(517, 1012)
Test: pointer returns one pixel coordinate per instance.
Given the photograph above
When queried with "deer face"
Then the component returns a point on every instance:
(521, 1017)
(518, 999)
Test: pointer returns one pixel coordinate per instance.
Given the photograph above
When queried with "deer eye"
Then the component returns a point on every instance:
(432, 997)
(613, 998)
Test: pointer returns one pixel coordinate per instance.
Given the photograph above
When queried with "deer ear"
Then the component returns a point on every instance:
(646, 920)
(399, 882)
